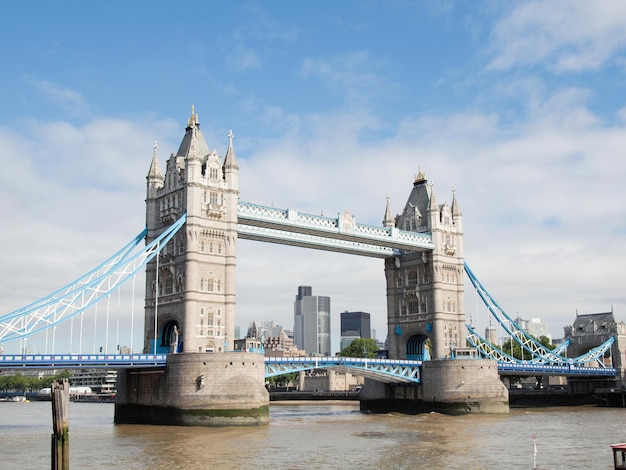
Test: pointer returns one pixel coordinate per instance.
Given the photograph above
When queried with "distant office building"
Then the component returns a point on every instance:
(272, 337)
(346, 340)
(534, 326)
(311, 322)
(491, 334)
(357, 323)
(354, 325)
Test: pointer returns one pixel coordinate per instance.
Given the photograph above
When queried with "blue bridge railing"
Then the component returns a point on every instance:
(386, 370)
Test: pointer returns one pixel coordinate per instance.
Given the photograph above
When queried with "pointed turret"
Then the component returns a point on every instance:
(433, 208)
(389, 221)
(192, 131)
(155, 175)
(457, 218)
(456, 212)
(230, 167)
(153, 185)
(230, 161)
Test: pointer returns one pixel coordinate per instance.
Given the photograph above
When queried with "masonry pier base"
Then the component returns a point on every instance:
(448, 386)
(195, 389)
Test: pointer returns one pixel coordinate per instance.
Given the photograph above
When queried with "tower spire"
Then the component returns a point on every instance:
(388, 221)
(455, 204)
(193, 121)
(155, 174)
(230, 161)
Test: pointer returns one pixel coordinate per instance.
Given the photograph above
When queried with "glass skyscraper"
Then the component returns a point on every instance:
(311, 322)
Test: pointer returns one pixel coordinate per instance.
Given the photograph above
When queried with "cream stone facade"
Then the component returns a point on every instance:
(190, 289)
(425, 290)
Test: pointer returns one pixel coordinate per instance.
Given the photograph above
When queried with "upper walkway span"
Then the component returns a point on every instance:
(342, 234)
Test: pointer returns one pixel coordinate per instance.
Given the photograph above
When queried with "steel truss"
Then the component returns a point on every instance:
(87, 290)
(383, 370)
(539, 354)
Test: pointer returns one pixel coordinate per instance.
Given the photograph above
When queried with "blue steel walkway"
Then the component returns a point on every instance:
(383, 370)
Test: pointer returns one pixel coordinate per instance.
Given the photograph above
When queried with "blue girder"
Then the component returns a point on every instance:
(80, 361)
(538, 353)
(383, 370)
(87, 290)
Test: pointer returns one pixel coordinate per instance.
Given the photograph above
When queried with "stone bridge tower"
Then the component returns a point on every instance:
(192, 292)
(426, 318)
(425, 290)
(190, 300)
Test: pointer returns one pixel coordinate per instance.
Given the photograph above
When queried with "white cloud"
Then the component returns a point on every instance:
(355, 75)
(542, 204)
(542, 201)
(69, 100)
(566, 37)
(76, 195)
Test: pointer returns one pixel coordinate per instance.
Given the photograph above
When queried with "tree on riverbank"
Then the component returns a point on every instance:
(518, 352)
(22, 383)
(361, 347)
(282, 380)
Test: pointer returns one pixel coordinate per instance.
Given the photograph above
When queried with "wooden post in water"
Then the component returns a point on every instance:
(61, 425)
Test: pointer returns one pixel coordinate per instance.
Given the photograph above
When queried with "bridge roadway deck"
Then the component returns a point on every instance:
(396, 370)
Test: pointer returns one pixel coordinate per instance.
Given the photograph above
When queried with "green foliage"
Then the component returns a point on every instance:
(517, 351)
(20, 383)
(362, 347)
(282, 380)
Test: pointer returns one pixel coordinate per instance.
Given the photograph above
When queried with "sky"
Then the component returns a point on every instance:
(518, 106)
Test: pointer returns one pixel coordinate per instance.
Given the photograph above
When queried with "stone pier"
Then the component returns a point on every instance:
(195, 389)
(448, 386)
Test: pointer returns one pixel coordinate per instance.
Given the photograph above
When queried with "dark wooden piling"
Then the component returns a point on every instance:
(60, 425)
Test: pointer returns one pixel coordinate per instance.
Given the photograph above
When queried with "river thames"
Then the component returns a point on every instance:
(320, 436)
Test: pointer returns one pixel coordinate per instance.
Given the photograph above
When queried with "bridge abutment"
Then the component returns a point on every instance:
(448, 386)
(195, 389)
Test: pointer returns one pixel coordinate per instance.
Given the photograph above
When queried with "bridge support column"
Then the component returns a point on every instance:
(448, 386)
(195, 389)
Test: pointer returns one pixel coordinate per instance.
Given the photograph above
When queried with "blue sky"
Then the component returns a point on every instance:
(520, 106)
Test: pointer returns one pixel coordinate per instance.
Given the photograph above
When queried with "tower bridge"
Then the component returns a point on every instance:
(194, 218)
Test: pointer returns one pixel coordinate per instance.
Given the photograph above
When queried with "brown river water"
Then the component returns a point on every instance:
(320, 435)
